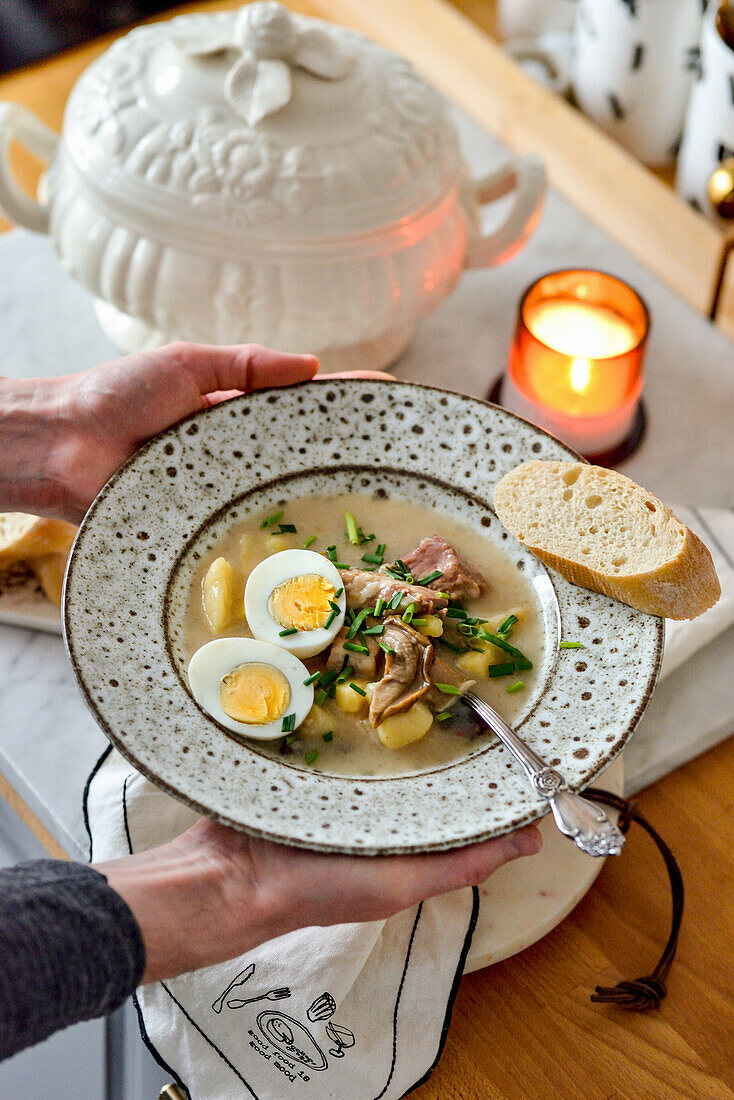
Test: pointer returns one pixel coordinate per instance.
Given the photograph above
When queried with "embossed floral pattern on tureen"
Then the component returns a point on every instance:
(225, 158)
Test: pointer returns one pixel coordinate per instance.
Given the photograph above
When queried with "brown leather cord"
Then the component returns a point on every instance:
(646, 992)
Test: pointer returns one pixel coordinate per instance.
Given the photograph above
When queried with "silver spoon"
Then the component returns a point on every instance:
(583, 822)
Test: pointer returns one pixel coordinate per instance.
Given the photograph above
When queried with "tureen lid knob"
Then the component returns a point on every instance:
(270, 42)
(266, 30)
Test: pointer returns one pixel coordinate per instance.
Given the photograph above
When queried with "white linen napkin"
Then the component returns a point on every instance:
(359, 1011)
(715, 527)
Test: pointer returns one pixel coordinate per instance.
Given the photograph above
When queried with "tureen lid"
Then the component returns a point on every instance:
(261, 123)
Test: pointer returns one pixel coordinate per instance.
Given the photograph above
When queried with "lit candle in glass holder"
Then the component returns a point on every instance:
(575, 364)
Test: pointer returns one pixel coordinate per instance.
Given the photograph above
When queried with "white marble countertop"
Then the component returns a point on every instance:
(48, 740)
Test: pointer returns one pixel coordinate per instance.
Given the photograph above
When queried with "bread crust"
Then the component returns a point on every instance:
(680, 588)
(24, 537)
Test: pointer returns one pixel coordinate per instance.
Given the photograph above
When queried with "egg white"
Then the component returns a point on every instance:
(215, 659)
(275, 570)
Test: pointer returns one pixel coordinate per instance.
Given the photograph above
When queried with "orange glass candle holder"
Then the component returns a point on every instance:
(575, 365)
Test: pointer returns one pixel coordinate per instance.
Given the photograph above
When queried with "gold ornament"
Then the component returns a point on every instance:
(721, 189)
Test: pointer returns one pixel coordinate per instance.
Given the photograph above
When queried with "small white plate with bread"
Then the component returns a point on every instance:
(33, 556)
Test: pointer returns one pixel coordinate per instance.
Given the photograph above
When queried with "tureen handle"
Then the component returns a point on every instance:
(19, 124)
(526, 176)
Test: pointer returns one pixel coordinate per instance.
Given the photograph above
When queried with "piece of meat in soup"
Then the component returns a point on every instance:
(362, 664)
(443, 673)
(363, 589)
(458, 579)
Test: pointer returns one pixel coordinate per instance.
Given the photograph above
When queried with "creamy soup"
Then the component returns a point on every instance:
(337, 736)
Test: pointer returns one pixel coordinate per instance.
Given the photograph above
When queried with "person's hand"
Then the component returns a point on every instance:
(64, 437)
(213, 893)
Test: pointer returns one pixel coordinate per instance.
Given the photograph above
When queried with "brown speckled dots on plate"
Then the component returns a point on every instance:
(143, 536)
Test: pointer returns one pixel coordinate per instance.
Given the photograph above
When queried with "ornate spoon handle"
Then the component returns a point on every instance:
(586, 824)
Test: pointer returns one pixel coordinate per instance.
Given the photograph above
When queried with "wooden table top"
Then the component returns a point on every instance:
(526, 1027)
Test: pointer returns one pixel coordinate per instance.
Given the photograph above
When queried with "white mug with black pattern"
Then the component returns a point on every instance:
(530, 18)
(634, 65)
(708, 136)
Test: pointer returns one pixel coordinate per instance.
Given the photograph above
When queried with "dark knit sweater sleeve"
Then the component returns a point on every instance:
(70, 950)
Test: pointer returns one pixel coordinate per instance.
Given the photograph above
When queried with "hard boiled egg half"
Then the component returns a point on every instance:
(250, 687)
(295, 599)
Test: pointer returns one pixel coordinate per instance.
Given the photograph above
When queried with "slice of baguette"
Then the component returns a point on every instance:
(24, 537)
(50, 571)
(601, 531)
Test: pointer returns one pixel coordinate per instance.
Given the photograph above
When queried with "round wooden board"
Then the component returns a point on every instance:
(526, 899)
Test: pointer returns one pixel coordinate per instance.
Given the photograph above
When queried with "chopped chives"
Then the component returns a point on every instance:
(395, 601)
(502, 643)
(345, 673)
(356, 623)
(443, 716)
(331, 618)
(419, 623)
(351, 526)
(522, 664)
(357, 688)
(505, 669)
(331, 553)
(312, 679)
(444, 595)
(335, 607)
(312, 756)
(291, 738)
(289, 723)
(287, 529)
(454, 648)
(409, 613)
(514, 688)
(375, 629)
(342, 565)
(272, 519)
(467, 630)
(329, 677)
(448, 689)
(338, 593)
(288, 630)
(356, 648)
(379, 607)
(399, 572)
(572, 645)
(321, 696)
(430, 578)
(328, 736)
(373, 559)
(456, 613)
(508, 624)
(309, 542)
(386, 648)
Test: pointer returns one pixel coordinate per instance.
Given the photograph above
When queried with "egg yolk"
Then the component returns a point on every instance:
(254, 693)
(302, 602)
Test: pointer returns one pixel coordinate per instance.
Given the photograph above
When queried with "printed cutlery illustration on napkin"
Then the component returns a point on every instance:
(244, 976)
(282, 1030)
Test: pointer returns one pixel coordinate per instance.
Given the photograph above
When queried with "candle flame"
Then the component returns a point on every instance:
(580, 375)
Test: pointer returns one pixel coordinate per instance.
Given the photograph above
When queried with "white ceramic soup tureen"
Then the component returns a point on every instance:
(255, 175)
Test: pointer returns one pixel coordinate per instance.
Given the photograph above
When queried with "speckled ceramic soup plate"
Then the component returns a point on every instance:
(141, 543)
